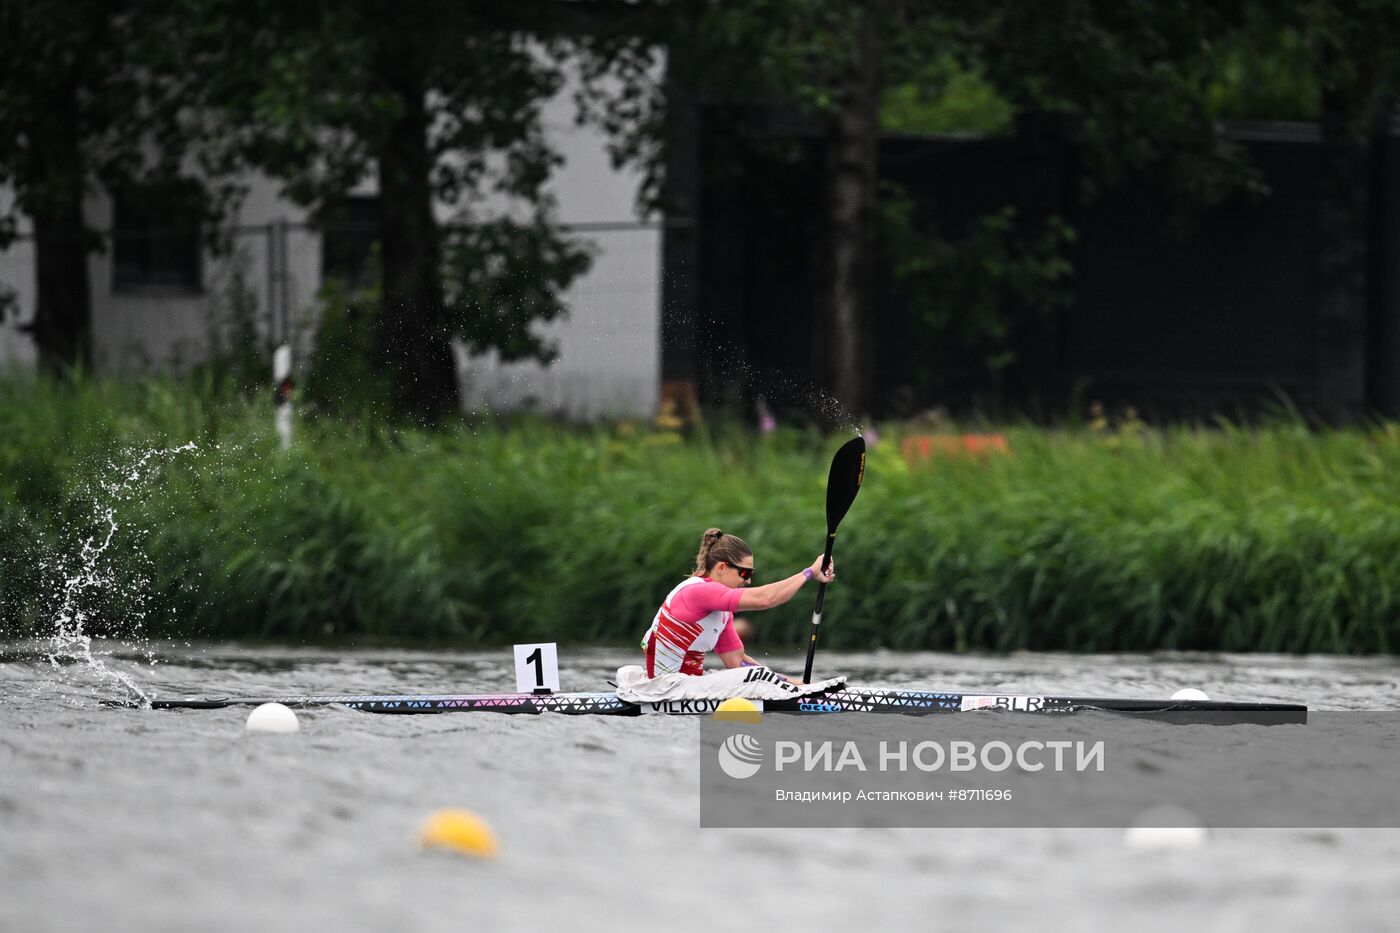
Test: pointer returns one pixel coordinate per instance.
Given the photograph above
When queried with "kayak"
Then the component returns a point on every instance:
(839, 700)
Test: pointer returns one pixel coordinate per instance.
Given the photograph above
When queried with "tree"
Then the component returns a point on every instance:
(1130, 80)
(1334, 62)
(1122, 83)
(1115, 88)
(442, 101)
(85, 93)
(1354, 49)
(834, 61)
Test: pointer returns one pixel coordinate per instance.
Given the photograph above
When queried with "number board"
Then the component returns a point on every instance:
(536, 668)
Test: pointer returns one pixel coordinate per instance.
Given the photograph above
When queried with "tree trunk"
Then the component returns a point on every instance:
(414, 339)
(63, 311)
(62, 325)
(680, 196)
(844, 339)
(1041, 190)
(1339, 346)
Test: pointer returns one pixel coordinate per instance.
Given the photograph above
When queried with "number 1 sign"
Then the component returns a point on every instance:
(536, 668)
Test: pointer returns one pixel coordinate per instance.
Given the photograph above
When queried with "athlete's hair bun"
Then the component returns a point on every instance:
(716, 546)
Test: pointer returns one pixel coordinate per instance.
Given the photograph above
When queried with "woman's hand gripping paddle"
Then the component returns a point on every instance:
(847, 471)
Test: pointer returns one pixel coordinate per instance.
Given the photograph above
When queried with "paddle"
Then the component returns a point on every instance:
(842, 484)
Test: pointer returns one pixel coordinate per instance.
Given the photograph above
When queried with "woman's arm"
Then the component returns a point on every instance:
(775, 594)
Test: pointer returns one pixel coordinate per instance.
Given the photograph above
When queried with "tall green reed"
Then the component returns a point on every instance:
(1273, 538)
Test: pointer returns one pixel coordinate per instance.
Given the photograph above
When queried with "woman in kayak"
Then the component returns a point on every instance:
(698, 615)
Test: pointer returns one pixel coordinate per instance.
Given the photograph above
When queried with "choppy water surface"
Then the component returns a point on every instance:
(118, 819)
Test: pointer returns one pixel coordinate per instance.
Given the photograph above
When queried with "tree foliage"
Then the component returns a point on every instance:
(960, 288)
(1131, 87)
(1131, 78)
(89, 95)
(441, 103)
(68, 101)
(947, 97)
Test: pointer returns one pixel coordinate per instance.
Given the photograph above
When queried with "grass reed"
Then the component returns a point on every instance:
(1273, 538)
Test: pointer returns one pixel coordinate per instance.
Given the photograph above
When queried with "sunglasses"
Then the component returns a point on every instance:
(745, 573)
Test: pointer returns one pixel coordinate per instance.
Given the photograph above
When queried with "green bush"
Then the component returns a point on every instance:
(1275, 538)
(343, 377)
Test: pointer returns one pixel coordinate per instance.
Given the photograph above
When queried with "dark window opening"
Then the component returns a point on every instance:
(158, 237)
(349, 235)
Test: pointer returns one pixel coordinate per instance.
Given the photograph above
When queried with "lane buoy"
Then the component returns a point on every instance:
(272, 717)
(460, 831)
(738, 709)
(1190, 693)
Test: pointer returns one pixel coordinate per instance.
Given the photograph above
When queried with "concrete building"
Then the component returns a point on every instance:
(157, 300)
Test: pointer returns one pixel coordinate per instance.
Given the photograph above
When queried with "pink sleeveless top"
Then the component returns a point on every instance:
(697, 617)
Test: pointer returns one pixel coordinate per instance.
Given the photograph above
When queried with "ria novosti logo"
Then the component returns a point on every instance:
(740, 756)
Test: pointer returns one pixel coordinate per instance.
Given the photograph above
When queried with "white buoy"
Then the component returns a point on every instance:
(272, 717)
(1164, 828)
(1190, 693)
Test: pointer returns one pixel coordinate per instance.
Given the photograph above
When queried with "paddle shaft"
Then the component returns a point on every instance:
(817, 614)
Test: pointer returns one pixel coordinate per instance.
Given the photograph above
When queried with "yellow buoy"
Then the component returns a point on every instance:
(738, 709)
(460, 831)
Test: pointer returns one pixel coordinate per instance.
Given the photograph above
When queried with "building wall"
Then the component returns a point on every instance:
(141, 328)
(17, 278)
(609, 347)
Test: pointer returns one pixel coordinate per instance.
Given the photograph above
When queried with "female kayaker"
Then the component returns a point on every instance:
(698, 615)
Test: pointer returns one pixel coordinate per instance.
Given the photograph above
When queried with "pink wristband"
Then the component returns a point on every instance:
(807, 573)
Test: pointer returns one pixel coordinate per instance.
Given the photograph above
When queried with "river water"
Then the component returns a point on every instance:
(128, 819)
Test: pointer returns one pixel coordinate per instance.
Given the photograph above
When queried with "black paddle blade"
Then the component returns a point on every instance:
(847, 471)
(842, 484)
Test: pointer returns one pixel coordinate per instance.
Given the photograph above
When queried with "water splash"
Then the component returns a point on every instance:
(82, 580)
(774, 386)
